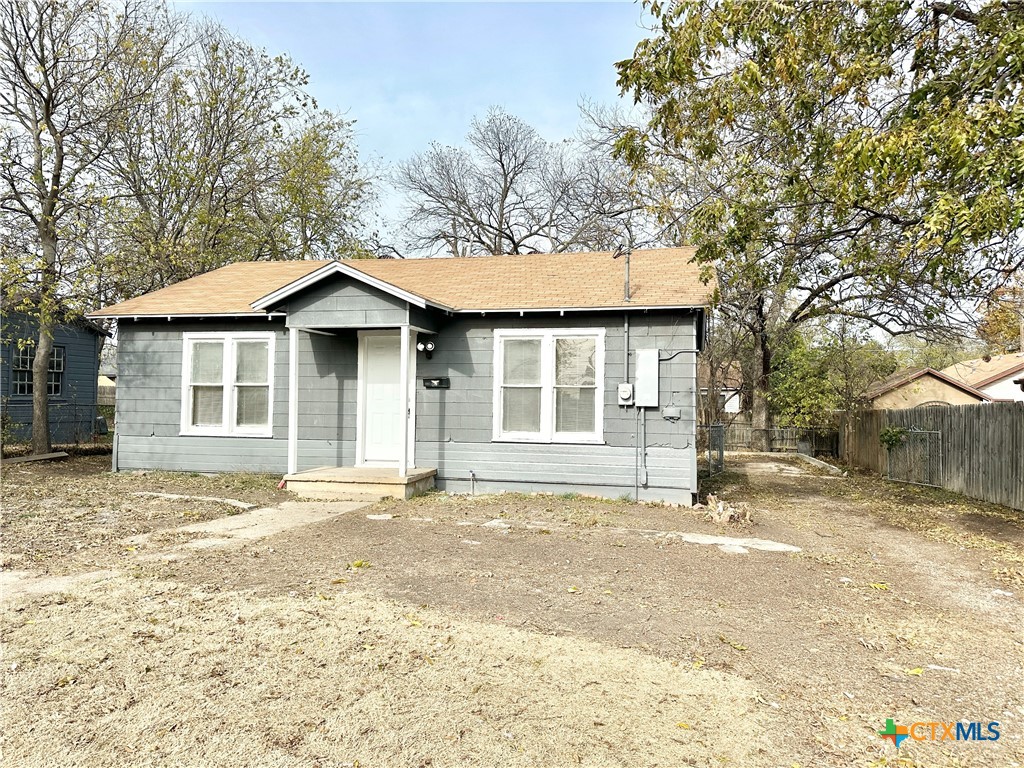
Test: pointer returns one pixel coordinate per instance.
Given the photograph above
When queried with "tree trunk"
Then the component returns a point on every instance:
(40, 377)
(760, 415)
(44, 344)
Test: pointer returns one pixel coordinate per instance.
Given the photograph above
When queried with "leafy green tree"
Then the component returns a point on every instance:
(824, 369)
(1001, 325)
(139, 148)
(313, 209)
(857, 159)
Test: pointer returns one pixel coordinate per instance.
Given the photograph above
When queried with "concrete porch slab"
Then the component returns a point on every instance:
(360, 483)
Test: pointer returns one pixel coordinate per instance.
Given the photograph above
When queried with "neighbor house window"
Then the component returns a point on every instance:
(548, 385)
(227, 384)
(21, 371)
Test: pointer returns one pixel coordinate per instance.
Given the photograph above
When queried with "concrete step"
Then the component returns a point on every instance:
(321, 491)
(359, 483)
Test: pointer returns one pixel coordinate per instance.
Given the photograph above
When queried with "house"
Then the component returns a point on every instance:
(513, 369)
(721, 387)
(919, 387)
(71, 386)
(1001, 377)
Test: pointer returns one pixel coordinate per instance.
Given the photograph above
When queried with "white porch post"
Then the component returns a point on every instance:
(403, 390)
(293, 400)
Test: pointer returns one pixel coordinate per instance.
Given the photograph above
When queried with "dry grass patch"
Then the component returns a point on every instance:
(568, 509)
(68, 515)
(156, 673)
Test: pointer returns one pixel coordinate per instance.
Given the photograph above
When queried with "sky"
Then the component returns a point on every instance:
(412, 73)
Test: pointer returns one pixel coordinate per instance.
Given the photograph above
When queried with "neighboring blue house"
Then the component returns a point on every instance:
(532, 373)
(74, 365)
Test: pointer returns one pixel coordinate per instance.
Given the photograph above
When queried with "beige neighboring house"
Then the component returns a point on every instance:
(1001, 377)
(921, 387)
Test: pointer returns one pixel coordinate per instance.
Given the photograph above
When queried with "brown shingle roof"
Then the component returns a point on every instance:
(982, 372)
(230, 290)
(664, 277)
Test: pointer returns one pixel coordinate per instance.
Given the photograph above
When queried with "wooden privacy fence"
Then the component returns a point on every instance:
(739, 436)
(107, 394)
(982, 446)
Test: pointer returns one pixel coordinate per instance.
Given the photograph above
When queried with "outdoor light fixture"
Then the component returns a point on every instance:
(426, 346)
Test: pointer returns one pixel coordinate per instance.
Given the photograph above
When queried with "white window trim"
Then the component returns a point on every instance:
(227, 427)
(58, 351)
(547, 378)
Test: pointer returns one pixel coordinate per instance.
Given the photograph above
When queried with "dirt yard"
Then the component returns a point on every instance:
(510, 630)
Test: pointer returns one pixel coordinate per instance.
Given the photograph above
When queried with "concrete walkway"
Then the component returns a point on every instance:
(223, 533)
(235, 530)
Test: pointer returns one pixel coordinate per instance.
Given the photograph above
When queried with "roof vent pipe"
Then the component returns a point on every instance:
(622, 250)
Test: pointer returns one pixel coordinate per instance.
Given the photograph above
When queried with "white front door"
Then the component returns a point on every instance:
(382, 411)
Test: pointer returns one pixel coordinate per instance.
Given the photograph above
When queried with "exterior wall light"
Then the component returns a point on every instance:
(426, 346)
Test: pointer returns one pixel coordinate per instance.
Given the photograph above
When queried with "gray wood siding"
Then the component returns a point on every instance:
(601, 469)
(73, 412)
(465, 353)
(149, 403)
(224, 454)
(454, 426)
(344, 303)
(149, 374)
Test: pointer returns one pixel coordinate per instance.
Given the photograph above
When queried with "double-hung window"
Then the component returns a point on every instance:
(21, 370)
(549, 385)
(227, 384)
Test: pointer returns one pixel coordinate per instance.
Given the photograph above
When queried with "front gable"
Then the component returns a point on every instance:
(341, 302)
(338, 301)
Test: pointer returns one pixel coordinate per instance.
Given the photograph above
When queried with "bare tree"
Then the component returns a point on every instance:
(71, 72)
(509, 191)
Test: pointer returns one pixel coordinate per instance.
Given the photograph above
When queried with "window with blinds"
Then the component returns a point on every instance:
(549, 385)
(227, 389)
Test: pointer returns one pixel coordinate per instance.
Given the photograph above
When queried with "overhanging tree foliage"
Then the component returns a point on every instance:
(852, 158)
(1001, 325)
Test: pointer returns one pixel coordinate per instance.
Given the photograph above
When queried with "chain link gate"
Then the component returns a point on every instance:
(917, 458)
(711, 442)
(716, 449)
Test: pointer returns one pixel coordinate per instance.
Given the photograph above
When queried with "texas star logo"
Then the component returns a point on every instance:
(940, 731)
(895, 733)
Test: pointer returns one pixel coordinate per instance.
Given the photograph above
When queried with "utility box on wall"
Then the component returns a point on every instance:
(646, 384)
